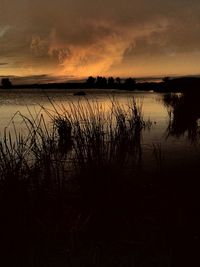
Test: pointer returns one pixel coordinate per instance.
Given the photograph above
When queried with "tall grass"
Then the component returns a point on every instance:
(95, 135)
(87, 148)
(73, 193)
(76, 174)
(184, 113)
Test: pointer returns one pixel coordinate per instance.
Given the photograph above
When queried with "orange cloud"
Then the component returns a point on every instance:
(100, 55)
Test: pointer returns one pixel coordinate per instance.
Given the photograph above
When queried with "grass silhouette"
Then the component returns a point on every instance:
(74, 192)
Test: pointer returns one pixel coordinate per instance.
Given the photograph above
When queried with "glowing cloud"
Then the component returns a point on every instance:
(107, 37)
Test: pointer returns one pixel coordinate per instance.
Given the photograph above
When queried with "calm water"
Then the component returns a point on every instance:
(180, 149)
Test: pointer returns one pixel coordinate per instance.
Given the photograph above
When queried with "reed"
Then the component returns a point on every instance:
(75, 174)
(183, 112)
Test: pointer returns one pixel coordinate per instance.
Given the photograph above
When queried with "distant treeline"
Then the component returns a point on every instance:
(110, 82)
(182, 84)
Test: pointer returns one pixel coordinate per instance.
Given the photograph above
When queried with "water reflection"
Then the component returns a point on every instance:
(184, 114)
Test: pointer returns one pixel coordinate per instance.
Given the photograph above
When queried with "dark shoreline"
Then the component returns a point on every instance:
(187, 84)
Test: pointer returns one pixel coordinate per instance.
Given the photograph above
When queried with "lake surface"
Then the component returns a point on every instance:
(178, 148)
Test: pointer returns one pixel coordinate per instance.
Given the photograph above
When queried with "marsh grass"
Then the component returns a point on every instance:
(86, 143)
(184, 113)
(73, 191)
(76, 184)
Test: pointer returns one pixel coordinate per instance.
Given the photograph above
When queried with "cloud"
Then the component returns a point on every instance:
(105, 46)
(3, 30)
(83, 37)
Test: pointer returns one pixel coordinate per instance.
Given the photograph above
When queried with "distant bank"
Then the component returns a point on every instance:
(183, 84)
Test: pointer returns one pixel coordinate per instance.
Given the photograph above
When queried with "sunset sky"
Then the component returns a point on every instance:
(78, 38)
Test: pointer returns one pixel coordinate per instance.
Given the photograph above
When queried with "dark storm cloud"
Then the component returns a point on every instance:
(65, 37)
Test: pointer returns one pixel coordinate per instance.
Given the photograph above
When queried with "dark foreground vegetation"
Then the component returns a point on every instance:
(183, 84)
(184, 114)
(78, 194)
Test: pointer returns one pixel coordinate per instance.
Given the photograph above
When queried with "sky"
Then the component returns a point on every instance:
(79, 38)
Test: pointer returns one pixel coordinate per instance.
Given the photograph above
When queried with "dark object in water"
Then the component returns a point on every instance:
(6, 83)
(80, 93)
